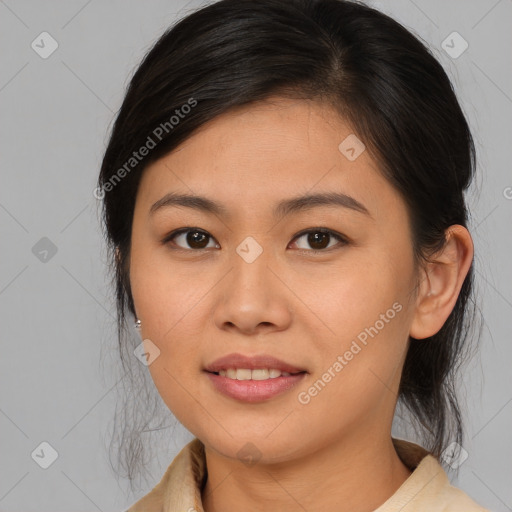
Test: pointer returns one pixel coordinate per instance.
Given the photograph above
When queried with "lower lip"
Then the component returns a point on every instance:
(254, 390)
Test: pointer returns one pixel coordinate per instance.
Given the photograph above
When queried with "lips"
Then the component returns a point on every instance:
(239, 361)
(253, 379)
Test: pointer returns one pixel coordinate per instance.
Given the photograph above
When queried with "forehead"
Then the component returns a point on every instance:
(263, 152)
(278, 133)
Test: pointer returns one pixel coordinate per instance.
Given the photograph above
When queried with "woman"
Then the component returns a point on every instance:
(284, 200)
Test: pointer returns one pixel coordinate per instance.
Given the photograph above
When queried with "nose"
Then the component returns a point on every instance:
(252, 298)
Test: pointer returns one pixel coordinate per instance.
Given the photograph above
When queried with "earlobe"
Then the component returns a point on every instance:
(441, 282)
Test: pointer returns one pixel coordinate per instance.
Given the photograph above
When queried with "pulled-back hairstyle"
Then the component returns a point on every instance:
(372, 71)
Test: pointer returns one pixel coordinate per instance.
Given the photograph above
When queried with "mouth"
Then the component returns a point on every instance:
(259, 367)
(253, 379)
(254, 374)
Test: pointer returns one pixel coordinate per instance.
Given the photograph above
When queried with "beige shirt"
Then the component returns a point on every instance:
(426, 490)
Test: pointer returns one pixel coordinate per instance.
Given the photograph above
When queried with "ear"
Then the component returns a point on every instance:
(441, 282)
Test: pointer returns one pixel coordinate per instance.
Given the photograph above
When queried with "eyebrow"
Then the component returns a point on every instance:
(282, 209)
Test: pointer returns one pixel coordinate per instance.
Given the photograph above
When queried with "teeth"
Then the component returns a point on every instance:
(243, 374)
(257, 374)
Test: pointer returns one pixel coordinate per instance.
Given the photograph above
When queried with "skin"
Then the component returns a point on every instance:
(197, 305)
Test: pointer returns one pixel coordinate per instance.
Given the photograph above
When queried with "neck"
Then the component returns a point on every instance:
(356, 475)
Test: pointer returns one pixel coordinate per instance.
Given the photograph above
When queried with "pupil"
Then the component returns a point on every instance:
(317, 238)
(194, 239)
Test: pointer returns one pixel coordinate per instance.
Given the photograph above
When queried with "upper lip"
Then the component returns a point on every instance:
(251, 362)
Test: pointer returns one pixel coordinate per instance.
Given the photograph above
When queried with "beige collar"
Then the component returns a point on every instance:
(427, 489)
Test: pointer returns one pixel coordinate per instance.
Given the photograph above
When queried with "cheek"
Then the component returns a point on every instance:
(169, 300)
(162, 292)
(358, 375)
(354, 296)
(367, 314)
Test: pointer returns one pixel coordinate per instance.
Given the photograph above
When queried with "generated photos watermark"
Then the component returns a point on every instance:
(151, 142)
(361, 341)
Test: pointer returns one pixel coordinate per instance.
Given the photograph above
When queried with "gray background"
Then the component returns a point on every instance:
(57, 314)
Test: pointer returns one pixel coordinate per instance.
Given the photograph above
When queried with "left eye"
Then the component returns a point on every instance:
(319, 239)
(195, 238)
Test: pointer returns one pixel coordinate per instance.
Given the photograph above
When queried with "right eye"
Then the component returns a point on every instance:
(196, 238)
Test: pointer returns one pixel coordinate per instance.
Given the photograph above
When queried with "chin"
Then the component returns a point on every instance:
(251, 447)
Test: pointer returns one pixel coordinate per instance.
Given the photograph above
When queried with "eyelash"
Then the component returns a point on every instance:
(342, 239)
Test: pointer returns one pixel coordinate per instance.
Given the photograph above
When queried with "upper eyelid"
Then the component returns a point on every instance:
(319, 230)
(342, 239)
(181, 231)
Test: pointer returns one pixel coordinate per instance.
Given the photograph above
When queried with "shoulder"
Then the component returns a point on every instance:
(428, 488)
(180, 487)
(437, 493)
(152, 501)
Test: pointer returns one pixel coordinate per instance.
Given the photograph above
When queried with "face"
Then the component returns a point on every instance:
(321, 289)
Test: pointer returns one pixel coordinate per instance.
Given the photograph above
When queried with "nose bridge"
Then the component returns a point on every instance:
(250, 250)
(250, 264)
